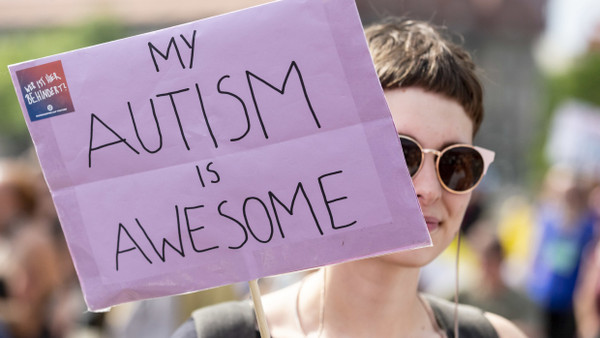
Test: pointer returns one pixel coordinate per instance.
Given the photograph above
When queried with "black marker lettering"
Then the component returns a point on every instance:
(200, 176)
(92, 148)
(236, 222)
(243, 107)
(137, 134)
(266, 212)
(290, 210)
(165, 241)
(119, 251)
(328, 202)
(170, 95)
(190, 230)
(191, 46)
(212, 136)
(217, 178)
(165, 56)
(281, 91)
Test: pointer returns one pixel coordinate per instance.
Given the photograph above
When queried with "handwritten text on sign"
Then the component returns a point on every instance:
(220, 151)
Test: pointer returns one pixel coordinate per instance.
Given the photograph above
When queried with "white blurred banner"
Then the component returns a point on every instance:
(574, 138)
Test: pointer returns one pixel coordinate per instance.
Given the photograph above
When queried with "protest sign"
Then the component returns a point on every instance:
(223, 150)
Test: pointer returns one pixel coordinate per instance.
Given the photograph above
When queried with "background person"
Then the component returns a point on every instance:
(566, 229)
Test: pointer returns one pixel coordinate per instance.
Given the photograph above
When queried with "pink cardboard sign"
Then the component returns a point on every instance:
(218, 151)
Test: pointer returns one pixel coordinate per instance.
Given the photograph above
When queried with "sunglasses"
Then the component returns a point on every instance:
(460, 167)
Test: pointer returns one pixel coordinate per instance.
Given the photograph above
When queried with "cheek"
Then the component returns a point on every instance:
(456, 205)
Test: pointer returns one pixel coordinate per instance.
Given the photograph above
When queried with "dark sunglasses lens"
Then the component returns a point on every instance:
(461, 168)
(412, 154)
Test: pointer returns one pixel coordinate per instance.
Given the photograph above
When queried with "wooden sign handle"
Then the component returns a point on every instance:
(258, 308)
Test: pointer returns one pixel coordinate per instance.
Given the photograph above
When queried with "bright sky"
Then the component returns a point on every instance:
(569, 26)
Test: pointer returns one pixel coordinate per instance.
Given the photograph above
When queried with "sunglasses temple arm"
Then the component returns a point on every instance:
(488, 157)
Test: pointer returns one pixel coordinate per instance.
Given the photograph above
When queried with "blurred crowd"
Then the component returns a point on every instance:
(39, 291)
(532, 259)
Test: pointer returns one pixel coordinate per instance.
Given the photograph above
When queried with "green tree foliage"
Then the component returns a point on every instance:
(581, 82)
(24, 45)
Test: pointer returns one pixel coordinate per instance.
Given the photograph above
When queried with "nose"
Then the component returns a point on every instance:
(426, 183)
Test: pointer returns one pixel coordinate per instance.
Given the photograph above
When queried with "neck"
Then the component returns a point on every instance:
(365, 298)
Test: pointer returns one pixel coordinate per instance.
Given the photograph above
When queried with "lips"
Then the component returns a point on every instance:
(432, 223)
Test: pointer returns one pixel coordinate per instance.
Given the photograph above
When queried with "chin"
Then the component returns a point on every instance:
(416, 258)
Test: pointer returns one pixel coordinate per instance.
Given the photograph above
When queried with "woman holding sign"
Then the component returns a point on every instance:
(436, 103)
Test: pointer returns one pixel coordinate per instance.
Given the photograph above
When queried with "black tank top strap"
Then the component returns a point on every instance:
(471, 320)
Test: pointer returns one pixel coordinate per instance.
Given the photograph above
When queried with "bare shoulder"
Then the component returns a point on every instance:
(504, 327)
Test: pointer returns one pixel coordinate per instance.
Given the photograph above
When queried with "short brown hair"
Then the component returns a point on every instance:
(410, 53)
